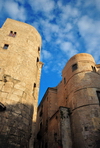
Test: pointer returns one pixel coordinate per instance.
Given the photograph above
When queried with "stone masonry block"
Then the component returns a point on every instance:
(14, 97)
(20, 86)
(1, 84)
(3, 94)
(7, 87)
(17, 92)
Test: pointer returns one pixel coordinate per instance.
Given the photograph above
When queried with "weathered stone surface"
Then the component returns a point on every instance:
(18, 73)
(77, 91)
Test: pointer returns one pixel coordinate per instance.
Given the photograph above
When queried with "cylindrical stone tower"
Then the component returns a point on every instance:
(20, 71)
(82, 91)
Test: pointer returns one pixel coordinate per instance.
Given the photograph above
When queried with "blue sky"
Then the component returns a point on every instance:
(67, 27)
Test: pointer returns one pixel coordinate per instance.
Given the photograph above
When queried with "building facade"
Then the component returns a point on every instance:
(20, 71)
(69, 114)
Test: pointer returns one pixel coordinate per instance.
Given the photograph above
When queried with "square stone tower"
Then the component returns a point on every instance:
(20, 71)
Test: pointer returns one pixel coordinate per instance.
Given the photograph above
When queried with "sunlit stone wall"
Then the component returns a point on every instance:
(20, 71)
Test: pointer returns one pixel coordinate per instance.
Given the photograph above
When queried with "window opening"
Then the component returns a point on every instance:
(64, 80)
(38, 48)
(98, 95)
(5, 46)
(34, 84)
(86, 128)
(93, 68)
(74, 67)
(37, 59)
(12, 34)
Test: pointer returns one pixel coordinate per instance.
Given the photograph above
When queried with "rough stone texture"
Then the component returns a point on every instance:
(81, 87)
(76, 91)
(19, 70)
(65, 127)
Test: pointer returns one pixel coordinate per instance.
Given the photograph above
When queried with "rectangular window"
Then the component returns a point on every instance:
(74, 67)
(5, 46)
(98, 95)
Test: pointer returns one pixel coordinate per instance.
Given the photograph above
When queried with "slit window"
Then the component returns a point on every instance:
(5, 46)
(34, 84)
(98, 95)
(37, 59)
(38, 48)
(74, 66)
(64, 80)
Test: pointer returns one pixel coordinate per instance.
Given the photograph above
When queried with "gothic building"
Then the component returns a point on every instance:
(20, 71)
(69, 114)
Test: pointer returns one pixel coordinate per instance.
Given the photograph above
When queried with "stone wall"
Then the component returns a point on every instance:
(20, 71)
(82, 84)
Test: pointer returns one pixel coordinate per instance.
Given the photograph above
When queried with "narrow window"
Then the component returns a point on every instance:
(38, 48)
(98, 95)
(37, 59)
(74, 67)
(64, 80)
(34, 84)
(93, 68)
(5, 46)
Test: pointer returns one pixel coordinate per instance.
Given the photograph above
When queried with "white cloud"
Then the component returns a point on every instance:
(68, 12)
(49, 29)
(90, 31)
(69, 49)
(97, 4)
(20, 1)
(46, 55)
(14, 10)
(45, 6)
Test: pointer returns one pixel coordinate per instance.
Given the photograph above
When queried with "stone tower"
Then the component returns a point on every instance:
(83, 98)
(20, 71)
